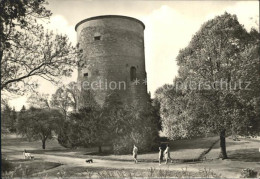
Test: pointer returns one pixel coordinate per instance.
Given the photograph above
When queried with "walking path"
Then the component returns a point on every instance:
(98, 163)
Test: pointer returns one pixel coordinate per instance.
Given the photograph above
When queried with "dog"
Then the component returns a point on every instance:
(89, 161)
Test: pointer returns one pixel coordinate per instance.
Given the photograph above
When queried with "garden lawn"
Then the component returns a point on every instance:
(27, 168)
(181, 150)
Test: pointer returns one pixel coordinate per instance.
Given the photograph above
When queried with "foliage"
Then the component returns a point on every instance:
(39, 124)
(18, 14)
(8, 118)
(112, 124)
(135, 125)
(39, 100)
(92, 127)
(28, 51)
(206, 97)
(65, 98)
(248, 173)
(6, 166)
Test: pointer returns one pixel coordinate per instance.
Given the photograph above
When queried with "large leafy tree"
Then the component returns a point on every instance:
(92, 127)
(212, 92)
(29, 51)
(39, 124)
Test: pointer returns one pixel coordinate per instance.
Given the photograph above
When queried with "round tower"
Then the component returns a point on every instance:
(113, 61)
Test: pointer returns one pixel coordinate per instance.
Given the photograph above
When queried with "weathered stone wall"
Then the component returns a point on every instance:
(119, 45)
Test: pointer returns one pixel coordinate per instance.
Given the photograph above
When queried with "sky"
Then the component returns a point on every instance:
(170, 26)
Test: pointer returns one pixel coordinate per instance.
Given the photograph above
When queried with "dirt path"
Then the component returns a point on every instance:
(103, 163)
(77, 162)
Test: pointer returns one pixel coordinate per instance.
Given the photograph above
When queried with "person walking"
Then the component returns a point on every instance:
(135, 150)
(160, 155)
(167, 154)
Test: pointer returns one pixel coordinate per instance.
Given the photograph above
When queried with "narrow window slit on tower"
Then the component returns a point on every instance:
(85, 74)
(97, 38)
(132, 73)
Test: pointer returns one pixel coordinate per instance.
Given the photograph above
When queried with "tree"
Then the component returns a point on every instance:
(204, 98)
(13, 120)
(8, 118)
(23, 110)
(5, 118)
(112, 124)
(39, 124)
(73, 91)
(39, 100)
(137, 125)
(41, 54)
(66, 98)
(94, 128)
(28, 50)
(18, 14)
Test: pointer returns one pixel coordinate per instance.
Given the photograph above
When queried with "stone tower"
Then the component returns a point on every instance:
(113, 62)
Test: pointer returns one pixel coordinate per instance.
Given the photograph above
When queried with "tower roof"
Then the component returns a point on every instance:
(108, 16)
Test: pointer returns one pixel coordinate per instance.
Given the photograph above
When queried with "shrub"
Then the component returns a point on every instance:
(63, 136)
(248, 173)
(140, 128)
(120, 126)
(6, 166)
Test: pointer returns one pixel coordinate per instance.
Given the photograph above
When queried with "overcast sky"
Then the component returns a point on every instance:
(169, 28)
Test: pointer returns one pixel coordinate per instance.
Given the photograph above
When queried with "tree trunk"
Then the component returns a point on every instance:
(99, 149)
(223, 153)
(43, 143)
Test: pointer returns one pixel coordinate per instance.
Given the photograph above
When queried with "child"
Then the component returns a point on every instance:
(160, 155)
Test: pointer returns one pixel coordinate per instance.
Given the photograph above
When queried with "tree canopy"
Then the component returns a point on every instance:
(39, 124)
(218, 85)
(113, 124)
(28, 50)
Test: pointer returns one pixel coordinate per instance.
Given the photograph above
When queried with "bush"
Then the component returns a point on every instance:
(140, 129)
(144, 138)
(248, 173)
(120, 127)
(6, 166)
(122, 146)
(63, 136)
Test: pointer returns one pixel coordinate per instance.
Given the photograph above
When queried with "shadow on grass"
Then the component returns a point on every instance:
(194, 143)
(42, 151)
(25, 168)
(25, 160)
(238, 143)
(245, 155)
(104, 153)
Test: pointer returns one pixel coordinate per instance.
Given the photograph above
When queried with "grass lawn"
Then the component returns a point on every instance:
(181, 150)
(242, 154)
(27, 168)
(246, 149)
(11, 142)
